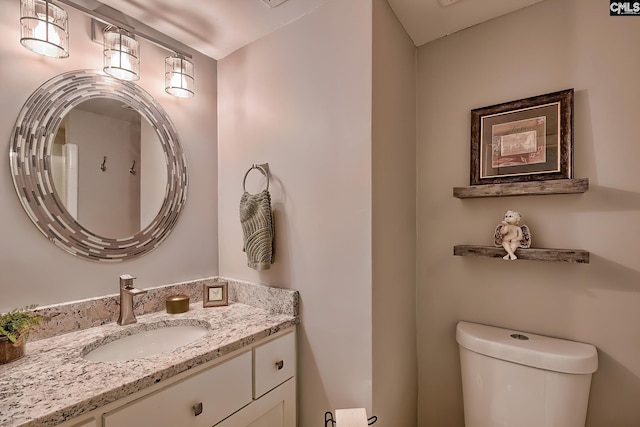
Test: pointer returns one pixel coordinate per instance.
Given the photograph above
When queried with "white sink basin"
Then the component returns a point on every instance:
(146, 343)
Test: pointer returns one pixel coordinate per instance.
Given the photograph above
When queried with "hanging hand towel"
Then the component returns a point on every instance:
(257, 228)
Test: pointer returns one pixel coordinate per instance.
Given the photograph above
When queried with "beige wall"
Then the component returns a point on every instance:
(337, 127)
(300, 99)
(554, 45)
(36, 271)
(394, 221)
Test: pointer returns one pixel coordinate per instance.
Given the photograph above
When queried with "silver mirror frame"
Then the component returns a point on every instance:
(30, 158)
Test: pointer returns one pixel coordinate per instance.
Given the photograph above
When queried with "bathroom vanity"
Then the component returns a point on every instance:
(253, 386)
(242, 372)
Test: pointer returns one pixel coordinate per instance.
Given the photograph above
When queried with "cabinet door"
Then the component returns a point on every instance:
(274, 363)
(198, 401)
(273, 418)
(275, 409)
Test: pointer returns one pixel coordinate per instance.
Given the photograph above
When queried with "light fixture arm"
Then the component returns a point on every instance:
(115, 31)
(109, 16)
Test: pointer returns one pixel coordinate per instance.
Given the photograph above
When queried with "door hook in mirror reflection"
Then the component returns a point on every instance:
(132, 169)
(103, 166)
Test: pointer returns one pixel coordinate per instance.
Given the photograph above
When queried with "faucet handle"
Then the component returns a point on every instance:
(126, 281)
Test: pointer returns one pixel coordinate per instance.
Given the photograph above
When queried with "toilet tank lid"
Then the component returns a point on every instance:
(533, 350)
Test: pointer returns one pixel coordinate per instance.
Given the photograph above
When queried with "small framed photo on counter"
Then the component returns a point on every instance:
(215, 294)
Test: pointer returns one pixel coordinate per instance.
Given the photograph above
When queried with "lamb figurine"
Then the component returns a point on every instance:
(511, 236)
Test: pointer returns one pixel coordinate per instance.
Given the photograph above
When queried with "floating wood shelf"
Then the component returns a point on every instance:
(557, 186)
(536, 254)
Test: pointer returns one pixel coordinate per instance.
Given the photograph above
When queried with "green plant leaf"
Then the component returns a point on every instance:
(18, 322)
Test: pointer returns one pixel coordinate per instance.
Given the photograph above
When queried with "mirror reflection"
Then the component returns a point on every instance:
(108, 167)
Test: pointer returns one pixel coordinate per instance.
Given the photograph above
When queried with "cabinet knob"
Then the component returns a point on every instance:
(280, 364)
(197, 409)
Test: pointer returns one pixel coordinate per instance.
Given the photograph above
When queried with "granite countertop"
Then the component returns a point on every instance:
(52, 383)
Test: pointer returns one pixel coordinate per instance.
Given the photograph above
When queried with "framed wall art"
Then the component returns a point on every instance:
(525, 140)
(215, 294)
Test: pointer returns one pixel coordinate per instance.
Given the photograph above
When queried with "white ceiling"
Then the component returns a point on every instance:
(219, 27)
(427, 20)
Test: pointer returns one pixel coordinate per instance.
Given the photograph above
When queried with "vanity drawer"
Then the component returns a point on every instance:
(221, 390)
(273, 363)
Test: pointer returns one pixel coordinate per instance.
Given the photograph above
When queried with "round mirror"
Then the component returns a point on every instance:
(98, 166)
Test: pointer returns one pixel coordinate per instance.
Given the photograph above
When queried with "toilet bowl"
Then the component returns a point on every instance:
(518, 379)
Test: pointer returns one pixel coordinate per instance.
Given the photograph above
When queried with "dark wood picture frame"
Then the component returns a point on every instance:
(215, 294)
(529, 139)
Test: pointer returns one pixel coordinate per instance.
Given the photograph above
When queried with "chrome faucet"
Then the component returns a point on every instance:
(127, 292)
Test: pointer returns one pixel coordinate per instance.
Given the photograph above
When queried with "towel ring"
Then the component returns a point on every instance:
(264, 168)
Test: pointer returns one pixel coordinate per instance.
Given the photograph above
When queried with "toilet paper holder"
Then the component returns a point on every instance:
(329, 421)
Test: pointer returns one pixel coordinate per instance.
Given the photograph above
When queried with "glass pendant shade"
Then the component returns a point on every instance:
(178, 76)
(121, 54)
(44, 28)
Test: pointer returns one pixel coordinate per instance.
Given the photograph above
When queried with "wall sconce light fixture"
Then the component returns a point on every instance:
(121, 54)
(178, 76)
(44, 28)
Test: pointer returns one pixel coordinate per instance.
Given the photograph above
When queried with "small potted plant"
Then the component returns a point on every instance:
(14, 330)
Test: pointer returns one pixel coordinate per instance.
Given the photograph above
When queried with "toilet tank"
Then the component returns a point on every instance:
(518, 379)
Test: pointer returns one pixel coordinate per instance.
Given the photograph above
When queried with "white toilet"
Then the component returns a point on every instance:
(517, 379)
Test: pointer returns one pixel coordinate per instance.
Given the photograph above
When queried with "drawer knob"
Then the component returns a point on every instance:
(280, 364)
(197, 409)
